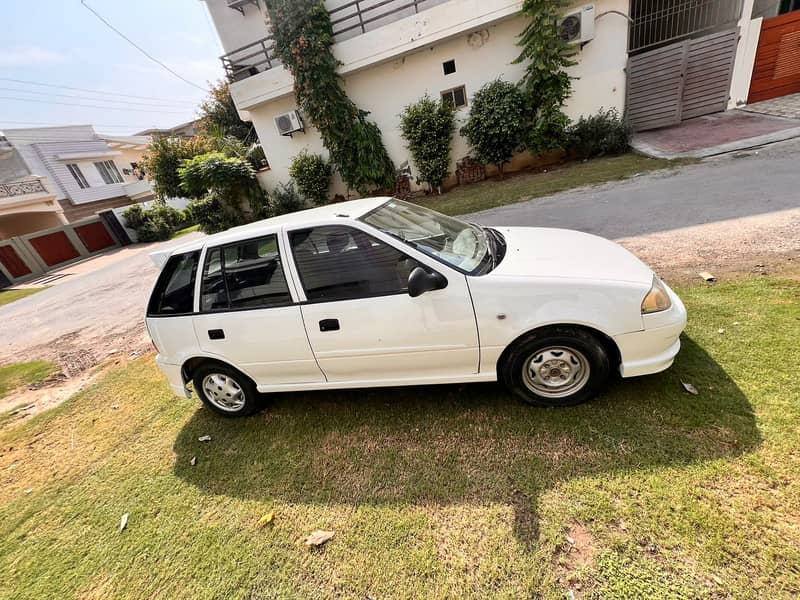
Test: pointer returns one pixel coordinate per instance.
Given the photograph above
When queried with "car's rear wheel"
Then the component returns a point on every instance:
(556, 367)
(226, 391)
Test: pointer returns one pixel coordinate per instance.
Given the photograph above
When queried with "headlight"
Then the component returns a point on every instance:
(657, 299)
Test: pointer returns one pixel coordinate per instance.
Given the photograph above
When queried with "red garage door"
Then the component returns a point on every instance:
(13, 263)
(54, 248)
(95, 236)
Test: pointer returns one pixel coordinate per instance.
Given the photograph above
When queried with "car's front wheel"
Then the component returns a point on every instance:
(226, 391)
(556, 367)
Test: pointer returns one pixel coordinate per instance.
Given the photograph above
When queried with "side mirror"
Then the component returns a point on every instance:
(421, 282)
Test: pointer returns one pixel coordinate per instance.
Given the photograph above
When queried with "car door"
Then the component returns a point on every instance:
(362, 324)
(247, 315)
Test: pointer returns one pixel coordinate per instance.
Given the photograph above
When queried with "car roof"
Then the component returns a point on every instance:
(352, 209)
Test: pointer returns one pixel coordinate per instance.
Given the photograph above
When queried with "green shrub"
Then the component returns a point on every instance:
(496, 126)
(604, 133)
(215, 172)
(213, 214)
(154, 225)
(285, 199)
(163, 159)
(427, 126)
(311, 174)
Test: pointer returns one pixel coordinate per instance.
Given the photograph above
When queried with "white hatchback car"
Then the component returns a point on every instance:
(380, 292)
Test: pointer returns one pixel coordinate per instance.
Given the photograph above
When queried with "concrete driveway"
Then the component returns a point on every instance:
(726, 214)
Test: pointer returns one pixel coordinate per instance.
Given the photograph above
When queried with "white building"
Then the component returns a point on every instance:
(450, 47)
(393, 52)
(52, 176)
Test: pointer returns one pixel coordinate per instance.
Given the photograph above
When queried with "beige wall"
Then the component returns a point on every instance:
(21, 223)
(386, 89)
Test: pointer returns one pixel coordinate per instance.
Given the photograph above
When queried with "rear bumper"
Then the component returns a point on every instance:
(174, 374)
(654, 349)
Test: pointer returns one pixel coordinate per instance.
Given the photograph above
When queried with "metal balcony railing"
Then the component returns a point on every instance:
(251, 60)
(22, 188)
(360, 16)
(349, 20)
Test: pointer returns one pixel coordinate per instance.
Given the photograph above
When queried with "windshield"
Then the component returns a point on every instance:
(458, 244)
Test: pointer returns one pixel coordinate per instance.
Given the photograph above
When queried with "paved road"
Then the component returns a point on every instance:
(712, 215)
(85, 318)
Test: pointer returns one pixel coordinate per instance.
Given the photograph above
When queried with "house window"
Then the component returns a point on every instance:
(75, 171)
(108, 171)
(457, 96)
(449, 67)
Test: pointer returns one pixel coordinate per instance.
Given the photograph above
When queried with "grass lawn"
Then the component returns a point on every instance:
(9, 296)
(439, 492)
(22, 374)
(525, 186)
(186, 231)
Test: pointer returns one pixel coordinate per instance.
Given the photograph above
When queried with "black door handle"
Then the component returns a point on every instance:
(216, 334)
(329, 325)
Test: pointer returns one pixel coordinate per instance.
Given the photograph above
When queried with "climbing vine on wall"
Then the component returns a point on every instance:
(304, 36)
(546, 83)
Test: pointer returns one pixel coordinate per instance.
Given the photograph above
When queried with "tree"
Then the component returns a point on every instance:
(497, 125)
(225, 190)
(163, 159)
(427, 126)
(546, 84)
(220, 118)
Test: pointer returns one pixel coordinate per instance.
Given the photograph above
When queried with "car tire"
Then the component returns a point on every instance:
(556, 367)
(226, 391)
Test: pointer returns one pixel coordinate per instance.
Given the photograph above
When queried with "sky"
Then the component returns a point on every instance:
(61, 43)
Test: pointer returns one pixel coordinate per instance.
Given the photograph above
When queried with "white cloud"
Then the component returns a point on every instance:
(30, 55)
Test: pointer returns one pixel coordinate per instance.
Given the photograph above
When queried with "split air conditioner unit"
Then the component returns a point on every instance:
(578, 27)
(289, 123)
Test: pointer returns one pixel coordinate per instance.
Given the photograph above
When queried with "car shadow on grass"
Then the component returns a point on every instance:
(446, 445)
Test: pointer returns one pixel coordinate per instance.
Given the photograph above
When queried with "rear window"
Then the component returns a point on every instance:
(174, 292)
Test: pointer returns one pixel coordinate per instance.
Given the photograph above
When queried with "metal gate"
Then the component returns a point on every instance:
(681, 81)
(777, 68)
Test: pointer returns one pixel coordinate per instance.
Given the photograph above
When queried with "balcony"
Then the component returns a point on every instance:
(23, 191)
(381, 32)
(348, 20)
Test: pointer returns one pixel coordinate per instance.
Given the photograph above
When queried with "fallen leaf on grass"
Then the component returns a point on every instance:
(204, 438)
(707, 276)
(193, 462)
(267, 519)
(124, 522)
(721, 331)
(690, 388)
(319, 537)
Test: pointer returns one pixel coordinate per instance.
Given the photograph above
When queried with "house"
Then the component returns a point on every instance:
(53, 176)
(395, 51)
(184, 130)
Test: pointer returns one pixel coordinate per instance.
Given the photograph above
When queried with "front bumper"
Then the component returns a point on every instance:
(654, 349)
(174, 374)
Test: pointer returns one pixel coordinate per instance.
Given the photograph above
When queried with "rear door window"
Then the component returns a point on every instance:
(174, 291)
(245, 275)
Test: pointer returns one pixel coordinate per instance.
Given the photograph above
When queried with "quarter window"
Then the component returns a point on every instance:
(343, 263)
(174, 291)
(246, 275)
